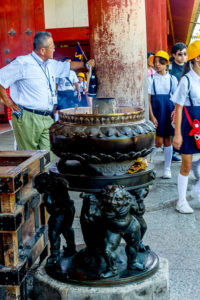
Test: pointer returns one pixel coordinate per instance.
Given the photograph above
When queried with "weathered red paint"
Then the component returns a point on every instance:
(118, 44)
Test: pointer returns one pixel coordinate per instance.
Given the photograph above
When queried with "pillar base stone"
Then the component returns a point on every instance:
(155, 287)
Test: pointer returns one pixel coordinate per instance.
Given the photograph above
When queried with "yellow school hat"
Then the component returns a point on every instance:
(193, 50)
(81, 74)
(162, 54)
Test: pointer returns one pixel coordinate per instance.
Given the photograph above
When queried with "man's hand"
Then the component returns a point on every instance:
(90, 63)
(7, 101)
(76, 65)
(12, 105)
(79, 97)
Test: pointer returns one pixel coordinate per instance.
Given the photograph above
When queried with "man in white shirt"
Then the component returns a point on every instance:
(32, 82)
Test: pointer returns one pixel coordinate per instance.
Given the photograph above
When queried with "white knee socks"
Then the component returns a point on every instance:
(182, 188)
(168, 157)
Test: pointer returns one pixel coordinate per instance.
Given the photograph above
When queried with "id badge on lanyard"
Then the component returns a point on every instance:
(54, 99)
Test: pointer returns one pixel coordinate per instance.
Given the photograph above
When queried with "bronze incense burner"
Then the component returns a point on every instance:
(96, 148)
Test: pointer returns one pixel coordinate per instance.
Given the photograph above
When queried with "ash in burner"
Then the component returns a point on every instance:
(102, 106)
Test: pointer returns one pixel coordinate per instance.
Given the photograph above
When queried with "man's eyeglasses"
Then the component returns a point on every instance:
(50, 48)
(181, 54)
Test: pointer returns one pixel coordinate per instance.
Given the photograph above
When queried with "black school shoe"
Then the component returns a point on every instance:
(175, 158)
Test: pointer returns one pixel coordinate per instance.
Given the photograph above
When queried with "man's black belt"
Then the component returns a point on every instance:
(39, 112)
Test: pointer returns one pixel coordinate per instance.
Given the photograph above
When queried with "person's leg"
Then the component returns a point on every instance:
(44, 142)
(196, 168)
(182, 204)
(158, 144)
(168, 149)
(27, 130)
(196, 190)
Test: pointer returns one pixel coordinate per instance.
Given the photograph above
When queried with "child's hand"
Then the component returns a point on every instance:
(177, 141)
(154, 121)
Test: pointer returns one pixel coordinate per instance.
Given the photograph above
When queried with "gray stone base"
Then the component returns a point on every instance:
(154, 288)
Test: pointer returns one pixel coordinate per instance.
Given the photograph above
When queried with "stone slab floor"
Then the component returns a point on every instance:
(171, 235)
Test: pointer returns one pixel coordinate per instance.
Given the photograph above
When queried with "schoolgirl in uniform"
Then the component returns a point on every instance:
(187, 95)
(160, 88)
(82, 86)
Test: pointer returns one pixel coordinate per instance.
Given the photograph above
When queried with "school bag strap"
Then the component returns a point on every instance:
(195, 124)
(170, 91)
(69, 81)
(188, 116)
(189, 89)
(186, 111)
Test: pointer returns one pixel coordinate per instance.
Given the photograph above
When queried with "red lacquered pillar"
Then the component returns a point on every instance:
(118, 44)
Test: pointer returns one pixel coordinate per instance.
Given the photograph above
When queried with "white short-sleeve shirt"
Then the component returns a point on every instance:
(162, 84)
(66, 85)
(181, 94)
(32, 81)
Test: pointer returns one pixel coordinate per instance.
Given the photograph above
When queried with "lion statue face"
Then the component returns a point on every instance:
(116, 199)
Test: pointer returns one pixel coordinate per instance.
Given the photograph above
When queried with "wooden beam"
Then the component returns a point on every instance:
(70, 34)
(196, 10)
(171, 20)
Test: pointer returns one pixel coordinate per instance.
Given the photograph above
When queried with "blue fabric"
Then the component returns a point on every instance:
(189, 145)
(65, 99)
(162, 108)
(83, 102)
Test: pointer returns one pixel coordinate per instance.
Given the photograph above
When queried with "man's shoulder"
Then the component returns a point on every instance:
(23, 58)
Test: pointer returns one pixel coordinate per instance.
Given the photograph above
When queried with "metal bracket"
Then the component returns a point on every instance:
(28, 31)
(12, 32)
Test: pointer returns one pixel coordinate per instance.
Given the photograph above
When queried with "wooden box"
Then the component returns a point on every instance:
(14, 292)
(17, 169)
(17, 230)
(23, 219)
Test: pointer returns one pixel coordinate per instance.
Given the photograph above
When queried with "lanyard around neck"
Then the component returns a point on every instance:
(48, 78)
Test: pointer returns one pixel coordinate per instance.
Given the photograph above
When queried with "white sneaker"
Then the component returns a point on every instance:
(184, 208)
(167, 174)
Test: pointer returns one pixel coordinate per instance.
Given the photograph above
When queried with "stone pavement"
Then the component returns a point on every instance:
(171, 235)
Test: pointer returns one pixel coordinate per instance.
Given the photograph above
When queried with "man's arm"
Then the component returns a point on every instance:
(75, 65)
(6, 100)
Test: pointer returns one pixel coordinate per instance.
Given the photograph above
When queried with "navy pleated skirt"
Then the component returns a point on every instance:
(189, 145)
(162, 108)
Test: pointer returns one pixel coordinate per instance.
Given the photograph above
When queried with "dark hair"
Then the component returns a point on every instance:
(149, 54)
(162, 60)
(40, 40)
(178, 46)
(187, 67)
